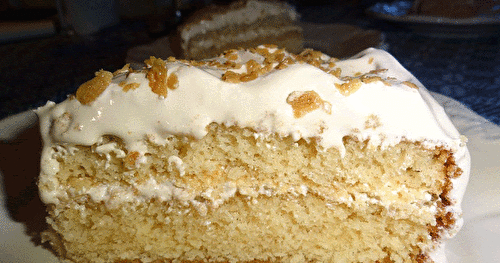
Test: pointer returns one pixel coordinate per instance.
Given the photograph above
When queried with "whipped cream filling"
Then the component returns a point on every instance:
(383, 112)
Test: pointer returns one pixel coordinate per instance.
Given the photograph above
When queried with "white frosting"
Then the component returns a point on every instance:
(202, 97)
(251, 12)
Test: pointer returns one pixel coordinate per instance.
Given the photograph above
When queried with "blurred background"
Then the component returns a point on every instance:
(49, 47)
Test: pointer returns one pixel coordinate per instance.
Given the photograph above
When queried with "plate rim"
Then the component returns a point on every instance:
(481, 20)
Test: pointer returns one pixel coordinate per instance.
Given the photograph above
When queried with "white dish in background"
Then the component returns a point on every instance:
(395, 13)
(476, 242)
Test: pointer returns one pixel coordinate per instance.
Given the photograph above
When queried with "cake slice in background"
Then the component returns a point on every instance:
(242, 24)
(257, 155)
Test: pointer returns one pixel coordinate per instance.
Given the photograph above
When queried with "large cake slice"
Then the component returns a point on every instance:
(254, 156)
(242, 24)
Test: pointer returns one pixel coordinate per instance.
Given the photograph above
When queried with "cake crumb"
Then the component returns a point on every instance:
(372, 122)
(90, 90)
(131, 160)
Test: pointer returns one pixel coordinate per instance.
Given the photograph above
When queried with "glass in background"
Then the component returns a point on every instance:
(86, 17)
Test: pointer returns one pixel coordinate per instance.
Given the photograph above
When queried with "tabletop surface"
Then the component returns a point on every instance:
(36, 70)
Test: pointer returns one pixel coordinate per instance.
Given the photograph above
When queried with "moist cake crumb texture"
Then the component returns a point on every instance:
(257, 155)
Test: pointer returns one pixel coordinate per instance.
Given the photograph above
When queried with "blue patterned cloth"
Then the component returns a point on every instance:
(467, 70)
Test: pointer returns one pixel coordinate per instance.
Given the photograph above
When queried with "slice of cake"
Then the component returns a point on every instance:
(242, 24)
(254, 156)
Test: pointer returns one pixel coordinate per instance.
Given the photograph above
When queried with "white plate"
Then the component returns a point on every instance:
(476, 242)
(395, 13)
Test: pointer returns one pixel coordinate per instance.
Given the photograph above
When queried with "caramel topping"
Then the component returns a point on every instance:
(90, 90)
(304, 102)
(386, 83)
(248, 77)
(198, 63)
(231, 64)
(281, 65)
(310, 54)
(336, 72)
(267, 68)
(261, 51)
(157, 75)
(231, 54)
(231, 76)
(172, 81)
(123, 70)
(410, 84)
(276, 56)
(272, 60)
(270, 45)
(129, 86)
(349, 87)
(252, 65)
(370, 79)
(377, 71)
(370, 61)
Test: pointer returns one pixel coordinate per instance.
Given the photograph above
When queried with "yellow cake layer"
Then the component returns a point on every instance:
(237, 197)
